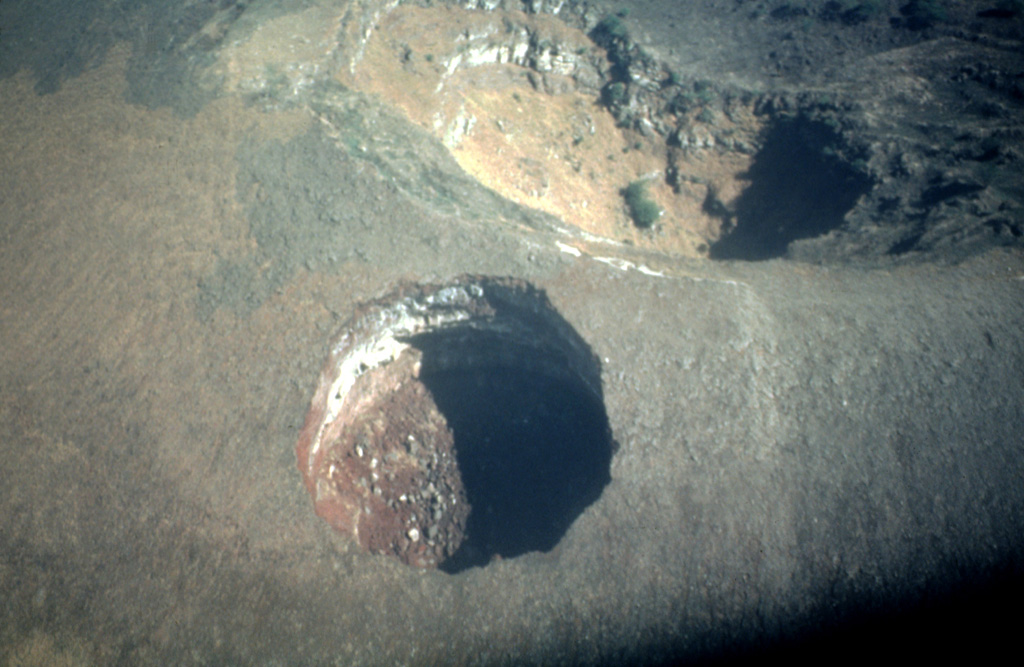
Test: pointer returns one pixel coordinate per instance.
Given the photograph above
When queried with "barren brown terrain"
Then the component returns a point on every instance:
(505, 332)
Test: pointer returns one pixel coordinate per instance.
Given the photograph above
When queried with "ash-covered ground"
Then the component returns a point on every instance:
(784, 236)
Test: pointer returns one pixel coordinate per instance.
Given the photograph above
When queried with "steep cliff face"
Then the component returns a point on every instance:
(560, 106)
(530, 104)
(703, 136)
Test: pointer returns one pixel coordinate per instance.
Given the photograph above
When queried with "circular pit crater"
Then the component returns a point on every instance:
(456, 423)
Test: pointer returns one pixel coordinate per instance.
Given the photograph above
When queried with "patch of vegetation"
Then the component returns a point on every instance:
(615, 93)
(609, 29)
(644, 211)
(705, 91)
(703, 94)
(682, 102)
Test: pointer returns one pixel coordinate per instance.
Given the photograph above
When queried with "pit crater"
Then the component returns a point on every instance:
(455, 424)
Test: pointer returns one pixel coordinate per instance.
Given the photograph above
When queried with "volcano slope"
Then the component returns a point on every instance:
(267, 260)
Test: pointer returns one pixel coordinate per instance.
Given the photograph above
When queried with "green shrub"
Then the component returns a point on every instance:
(642, 208)
(611, 27)
(615, 93)
(705, 91)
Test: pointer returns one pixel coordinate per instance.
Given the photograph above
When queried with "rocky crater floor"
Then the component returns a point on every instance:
(510, 331)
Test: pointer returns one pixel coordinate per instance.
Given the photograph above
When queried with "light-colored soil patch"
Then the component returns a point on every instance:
(551, 147)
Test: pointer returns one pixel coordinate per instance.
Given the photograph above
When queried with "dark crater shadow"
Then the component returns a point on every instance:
(531, 438)
(801, 186)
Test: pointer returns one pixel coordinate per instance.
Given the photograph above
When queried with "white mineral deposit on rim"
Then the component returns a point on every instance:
(405, 319)
(374, 339)
(392, 490)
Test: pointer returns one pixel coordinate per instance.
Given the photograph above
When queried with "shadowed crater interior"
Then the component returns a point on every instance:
(802, 185)
(457, 423)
